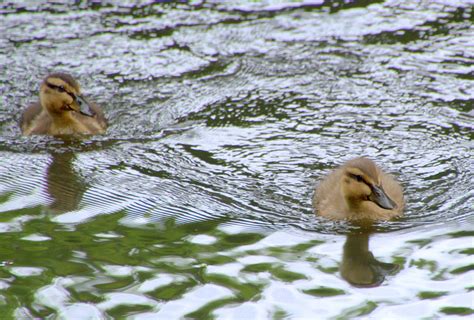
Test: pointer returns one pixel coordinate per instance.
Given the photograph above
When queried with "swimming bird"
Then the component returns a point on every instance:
(62, 110)
(358, 190)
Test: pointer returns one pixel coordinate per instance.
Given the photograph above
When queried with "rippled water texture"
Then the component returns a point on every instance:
(223, 116)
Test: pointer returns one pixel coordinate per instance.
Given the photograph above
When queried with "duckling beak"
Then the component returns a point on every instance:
(84, 106)
(381, 198)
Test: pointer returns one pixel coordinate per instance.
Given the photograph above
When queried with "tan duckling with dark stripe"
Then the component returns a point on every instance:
(358, 190)
(62, 110)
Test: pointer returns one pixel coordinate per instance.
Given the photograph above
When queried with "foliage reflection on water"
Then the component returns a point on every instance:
(171, 270)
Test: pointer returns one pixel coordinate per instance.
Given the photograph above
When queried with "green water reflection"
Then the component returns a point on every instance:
(159, 264)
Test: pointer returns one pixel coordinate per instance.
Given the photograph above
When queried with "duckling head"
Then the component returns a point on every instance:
(60, 93)
(361, 184)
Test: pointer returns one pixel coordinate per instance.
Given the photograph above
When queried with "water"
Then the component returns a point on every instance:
(223, 116)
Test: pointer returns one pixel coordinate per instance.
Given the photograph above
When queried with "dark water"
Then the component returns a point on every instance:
(223, 116)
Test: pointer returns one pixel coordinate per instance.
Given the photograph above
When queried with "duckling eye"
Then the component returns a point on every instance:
(55, 87)
(356, 177)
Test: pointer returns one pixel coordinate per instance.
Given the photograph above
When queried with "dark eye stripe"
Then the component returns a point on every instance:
(60, 89)
(54, 87)
(358, 178)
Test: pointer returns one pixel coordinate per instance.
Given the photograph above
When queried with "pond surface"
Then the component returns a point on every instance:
(223, 117)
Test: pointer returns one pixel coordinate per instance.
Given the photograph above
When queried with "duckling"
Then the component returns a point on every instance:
(359, 190)
(62, 110)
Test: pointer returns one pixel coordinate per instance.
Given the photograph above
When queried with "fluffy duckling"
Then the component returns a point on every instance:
(359, 190)
(62, 110)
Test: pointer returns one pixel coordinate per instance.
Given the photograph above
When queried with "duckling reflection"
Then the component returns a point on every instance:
(62, 110)
(64, 186)
(359, 267)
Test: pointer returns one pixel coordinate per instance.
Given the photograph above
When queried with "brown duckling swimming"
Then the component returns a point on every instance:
(359, 190)
(62, 110)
